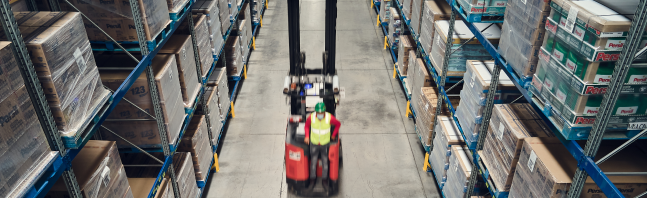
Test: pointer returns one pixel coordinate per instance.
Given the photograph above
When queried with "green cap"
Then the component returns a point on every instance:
(320, 107)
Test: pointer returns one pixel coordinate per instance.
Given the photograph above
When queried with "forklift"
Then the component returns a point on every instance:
(304, 88)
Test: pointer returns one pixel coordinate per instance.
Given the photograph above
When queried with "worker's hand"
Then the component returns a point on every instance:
(333, 138)
(307, 140)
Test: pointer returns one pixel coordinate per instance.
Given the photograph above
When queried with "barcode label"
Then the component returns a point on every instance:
(105, 176)
(637, 126)
(531, 161)
(570, 20)
(499, 135)
(80, 61)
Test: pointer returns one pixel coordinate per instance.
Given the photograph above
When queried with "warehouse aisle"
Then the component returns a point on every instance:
(382, 154)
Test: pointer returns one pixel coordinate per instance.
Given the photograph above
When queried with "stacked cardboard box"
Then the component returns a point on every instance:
(385, 11)
(546, 169)
(458, 172)
(165, 190)
(202, 37)
(181, 47)
(176, 6)
(432, 12)
(418, 77)
(22, 140)
(225, 14)
(522, 34)
(141, 187)
(234, 56)
(116, 18)
(257, 7)
(19, 6)
(185, 175)
(405, 50)
(395, 29)
(63, 60)
(406, 8)
(488, 7)
(217, 101)
(509, 126)
(211, 11)
(474, 95)
(144, 133)
(425, 111)
(244, 29)
(99, 172)
(447, 134)
(416, 15)
(462, 51)
(196, 141)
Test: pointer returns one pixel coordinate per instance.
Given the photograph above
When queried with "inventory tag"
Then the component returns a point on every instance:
(499, 135)
(637, 126)
(105, 176)
(531, 161)
(570, 20)
(80, 61)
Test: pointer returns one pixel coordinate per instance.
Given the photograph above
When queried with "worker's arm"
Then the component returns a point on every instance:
(336, 123)
(307, 127)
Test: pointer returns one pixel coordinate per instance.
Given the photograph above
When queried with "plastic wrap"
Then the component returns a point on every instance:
(416, 9)
(211, 11)
(447, 134)
(181, 46)
(176, 6)
(469, 123)
(477, 82)
(144, 133)
(483, 6)
(10, 77)
(165, 190)
(244, 37)
(458, 172)
(224, 15)
(19, 6)
(406, 8)
(385, 11)
(395, 29)
(215, 118)
(196, 141)
(116, 18)
(406, 47)
(470, 51)
(425, 110)
(432, 11)
(21, 151)
(119, 186)
(418, 77)
(219, 80)
(233, 56)
(185, 174)
(64, 64)
(202, 36)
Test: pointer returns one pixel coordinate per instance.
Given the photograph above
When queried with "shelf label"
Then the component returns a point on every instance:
(637, 126)
(591, 111)
(531, 161)
(637, 79)
(570, 20)
(602, 79)
(627, 110)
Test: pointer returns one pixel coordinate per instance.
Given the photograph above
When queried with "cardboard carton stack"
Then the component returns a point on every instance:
(23, 141)
(432, 12)
(474, 96)
(185, 175)
(458, 172)
(234, 56)
(182, 48)
(99, 172)
(225, 14)
(257, 7)
(144, 133)
(418, 77)
(546, 169)
(203, 40)
(385, 10)
(406, 8)
(116, 18)
(522, 34)
(509, 126)
(416, 14)
(211, 10)
(63, 60)
(469, 51)
(483, 7)
(447, 135)
(405, 50)
(19, 6)
(395, 29)
(196, 141)
(425, 111)
(244, 29)
(217, 100)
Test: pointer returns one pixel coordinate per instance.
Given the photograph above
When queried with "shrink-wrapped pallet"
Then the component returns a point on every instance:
(181, 47)
(432, 12)
(395, 29)
(234, 57)
(211, 10)
(426, 109)
(196, 141)
(203, 40)
(385, 10)
(185, 175)
(447, 134)
(144, 133)
(405, 50)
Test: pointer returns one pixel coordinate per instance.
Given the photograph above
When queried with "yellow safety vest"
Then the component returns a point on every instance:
(320, 129)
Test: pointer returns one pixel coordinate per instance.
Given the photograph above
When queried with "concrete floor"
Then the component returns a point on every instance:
(382, 154)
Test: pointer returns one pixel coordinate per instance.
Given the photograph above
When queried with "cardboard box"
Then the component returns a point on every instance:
(196, 141)
(165, 190)
(395, 29)
(185, 174)
(176, 6)
(385, 11)
(458, 173)
(10, 77)
(447, 134)
(19, 6)
(96, 166)
(142, 186)
(115, 17)
(212, 12)
(181, 47)
(220, 83)
(234, 57)
(407, 46)
(432, 12)
(203, 39)
(20, 154)
(144, 133)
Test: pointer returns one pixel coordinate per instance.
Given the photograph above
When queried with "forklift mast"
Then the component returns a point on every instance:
(306, 87)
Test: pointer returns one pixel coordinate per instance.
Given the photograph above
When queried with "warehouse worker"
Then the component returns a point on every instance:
(319, 123)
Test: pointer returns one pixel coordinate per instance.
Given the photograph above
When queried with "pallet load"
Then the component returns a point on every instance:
(406, 8)
(257, 7)
(509, 126)
(234, 56)
(66, 68)
(211, 11)
(385, 10)
(522, 35)
(144, 133)
(245, 30)
(99, 171)
(181, 47)
(474, 96)
(185, 175)
(483, 8)
(217, 100)
(165, 189)
(203, 40)
(425, 111)
(394, 30)
(432, 11)
(405, 50)
(447, 135)
(546, 169)
(197, 142)
(460, 50)
(458, 174)
(117, 20)
(418, 79)
(576, 63)
(23, 144)
(225, 14)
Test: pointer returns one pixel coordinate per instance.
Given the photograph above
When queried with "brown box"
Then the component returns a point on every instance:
(234, 58)
(24, 150)
(165, 190)
(181, 46)
(432, 11)
(142, 186)
(144, 133)
(202, 37)
(10, 77)
(459, 171)
(115, 16)
(407, 45)
(185, 174)
(96, 166)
